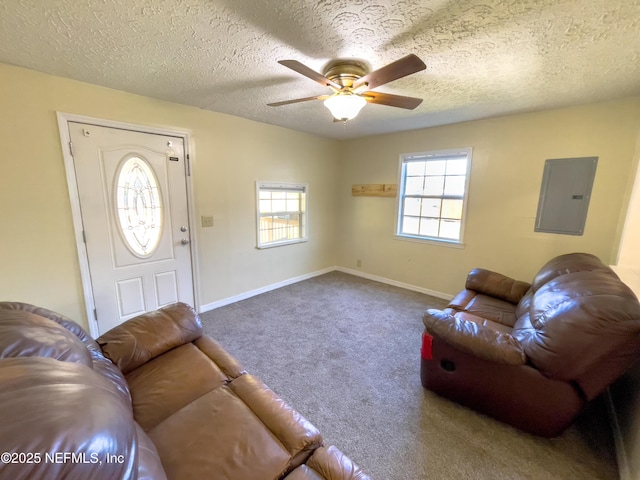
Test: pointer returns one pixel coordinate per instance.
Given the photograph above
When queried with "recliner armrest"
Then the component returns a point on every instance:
(496, 285)
(149, 335)
(475, 339)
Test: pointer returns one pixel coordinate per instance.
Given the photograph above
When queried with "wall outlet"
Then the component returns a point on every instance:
(207, 221)
(358, 263)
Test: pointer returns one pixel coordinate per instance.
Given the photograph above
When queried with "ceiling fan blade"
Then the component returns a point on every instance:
(298, 100)
(296, 66)
(398, 69)
(392, 100)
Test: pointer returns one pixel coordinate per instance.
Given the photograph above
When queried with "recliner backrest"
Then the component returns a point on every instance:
(578, 316)
(568, 263)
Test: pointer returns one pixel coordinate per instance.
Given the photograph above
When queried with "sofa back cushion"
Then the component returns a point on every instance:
(147, 336)
(30, 331)
(61, 320)
(25, 334)
(65, 420)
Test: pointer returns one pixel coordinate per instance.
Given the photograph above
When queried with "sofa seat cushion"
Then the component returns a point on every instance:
(234, 445)
(171, 381)
(485, 306)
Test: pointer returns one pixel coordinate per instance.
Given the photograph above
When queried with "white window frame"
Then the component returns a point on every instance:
(303, 212)
(434, 155)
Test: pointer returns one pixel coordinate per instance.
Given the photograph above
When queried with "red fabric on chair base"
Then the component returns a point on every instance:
(425, 351)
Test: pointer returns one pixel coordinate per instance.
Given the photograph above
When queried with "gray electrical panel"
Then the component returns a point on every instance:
(565, 194)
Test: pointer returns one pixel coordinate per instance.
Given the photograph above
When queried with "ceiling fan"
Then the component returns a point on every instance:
(352, 86)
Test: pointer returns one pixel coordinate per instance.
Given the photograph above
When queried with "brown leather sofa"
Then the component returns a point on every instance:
(532, 355)
(153, 398)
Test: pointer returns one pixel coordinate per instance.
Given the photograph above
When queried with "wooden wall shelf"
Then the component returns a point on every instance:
(374, 190)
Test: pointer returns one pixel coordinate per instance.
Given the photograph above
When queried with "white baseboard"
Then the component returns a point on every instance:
(265, 289)
(395, 283)
(284, 283)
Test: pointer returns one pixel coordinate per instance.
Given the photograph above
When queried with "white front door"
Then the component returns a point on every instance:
(133, 200)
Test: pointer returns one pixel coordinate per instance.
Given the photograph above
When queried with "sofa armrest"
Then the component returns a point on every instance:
(149, 335)
(328, 463)
(475, 339)
(149, 463)
(292, 429)
(496, 285)
(226, 362)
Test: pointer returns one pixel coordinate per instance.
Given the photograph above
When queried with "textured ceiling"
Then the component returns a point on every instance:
(484, 57)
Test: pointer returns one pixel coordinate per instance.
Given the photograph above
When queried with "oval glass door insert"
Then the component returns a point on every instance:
(139, 206)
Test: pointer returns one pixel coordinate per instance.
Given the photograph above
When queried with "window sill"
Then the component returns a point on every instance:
(281, 244)
(430, 241)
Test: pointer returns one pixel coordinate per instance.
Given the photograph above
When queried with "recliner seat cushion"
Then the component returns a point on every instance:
(494, 309)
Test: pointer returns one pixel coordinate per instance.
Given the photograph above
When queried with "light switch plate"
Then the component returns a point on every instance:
(207, 221)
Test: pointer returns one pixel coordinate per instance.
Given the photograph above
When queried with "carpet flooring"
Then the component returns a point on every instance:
(344, 352)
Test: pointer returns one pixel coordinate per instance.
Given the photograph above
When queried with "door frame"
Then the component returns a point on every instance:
(76, 213)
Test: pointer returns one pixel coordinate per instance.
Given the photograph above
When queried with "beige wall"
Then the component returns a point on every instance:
(508, 159)
(39, 258)
(625, 393)
(38, 254)
(628, 261)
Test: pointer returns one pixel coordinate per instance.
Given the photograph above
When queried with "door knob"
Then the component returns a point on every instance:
(183, 228)
(184, 241)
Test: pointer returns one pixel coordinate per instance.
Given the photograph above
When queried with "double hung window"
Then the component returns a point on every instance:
(282, 213)
(433, 195)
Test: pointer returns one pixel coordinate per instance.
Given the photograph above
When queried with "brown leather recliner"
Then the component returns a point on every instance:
(532, 355)
(153, 398)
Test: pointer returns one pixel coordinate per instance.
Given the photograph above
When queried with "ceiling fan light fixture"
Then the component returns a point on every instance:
(345, 106)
